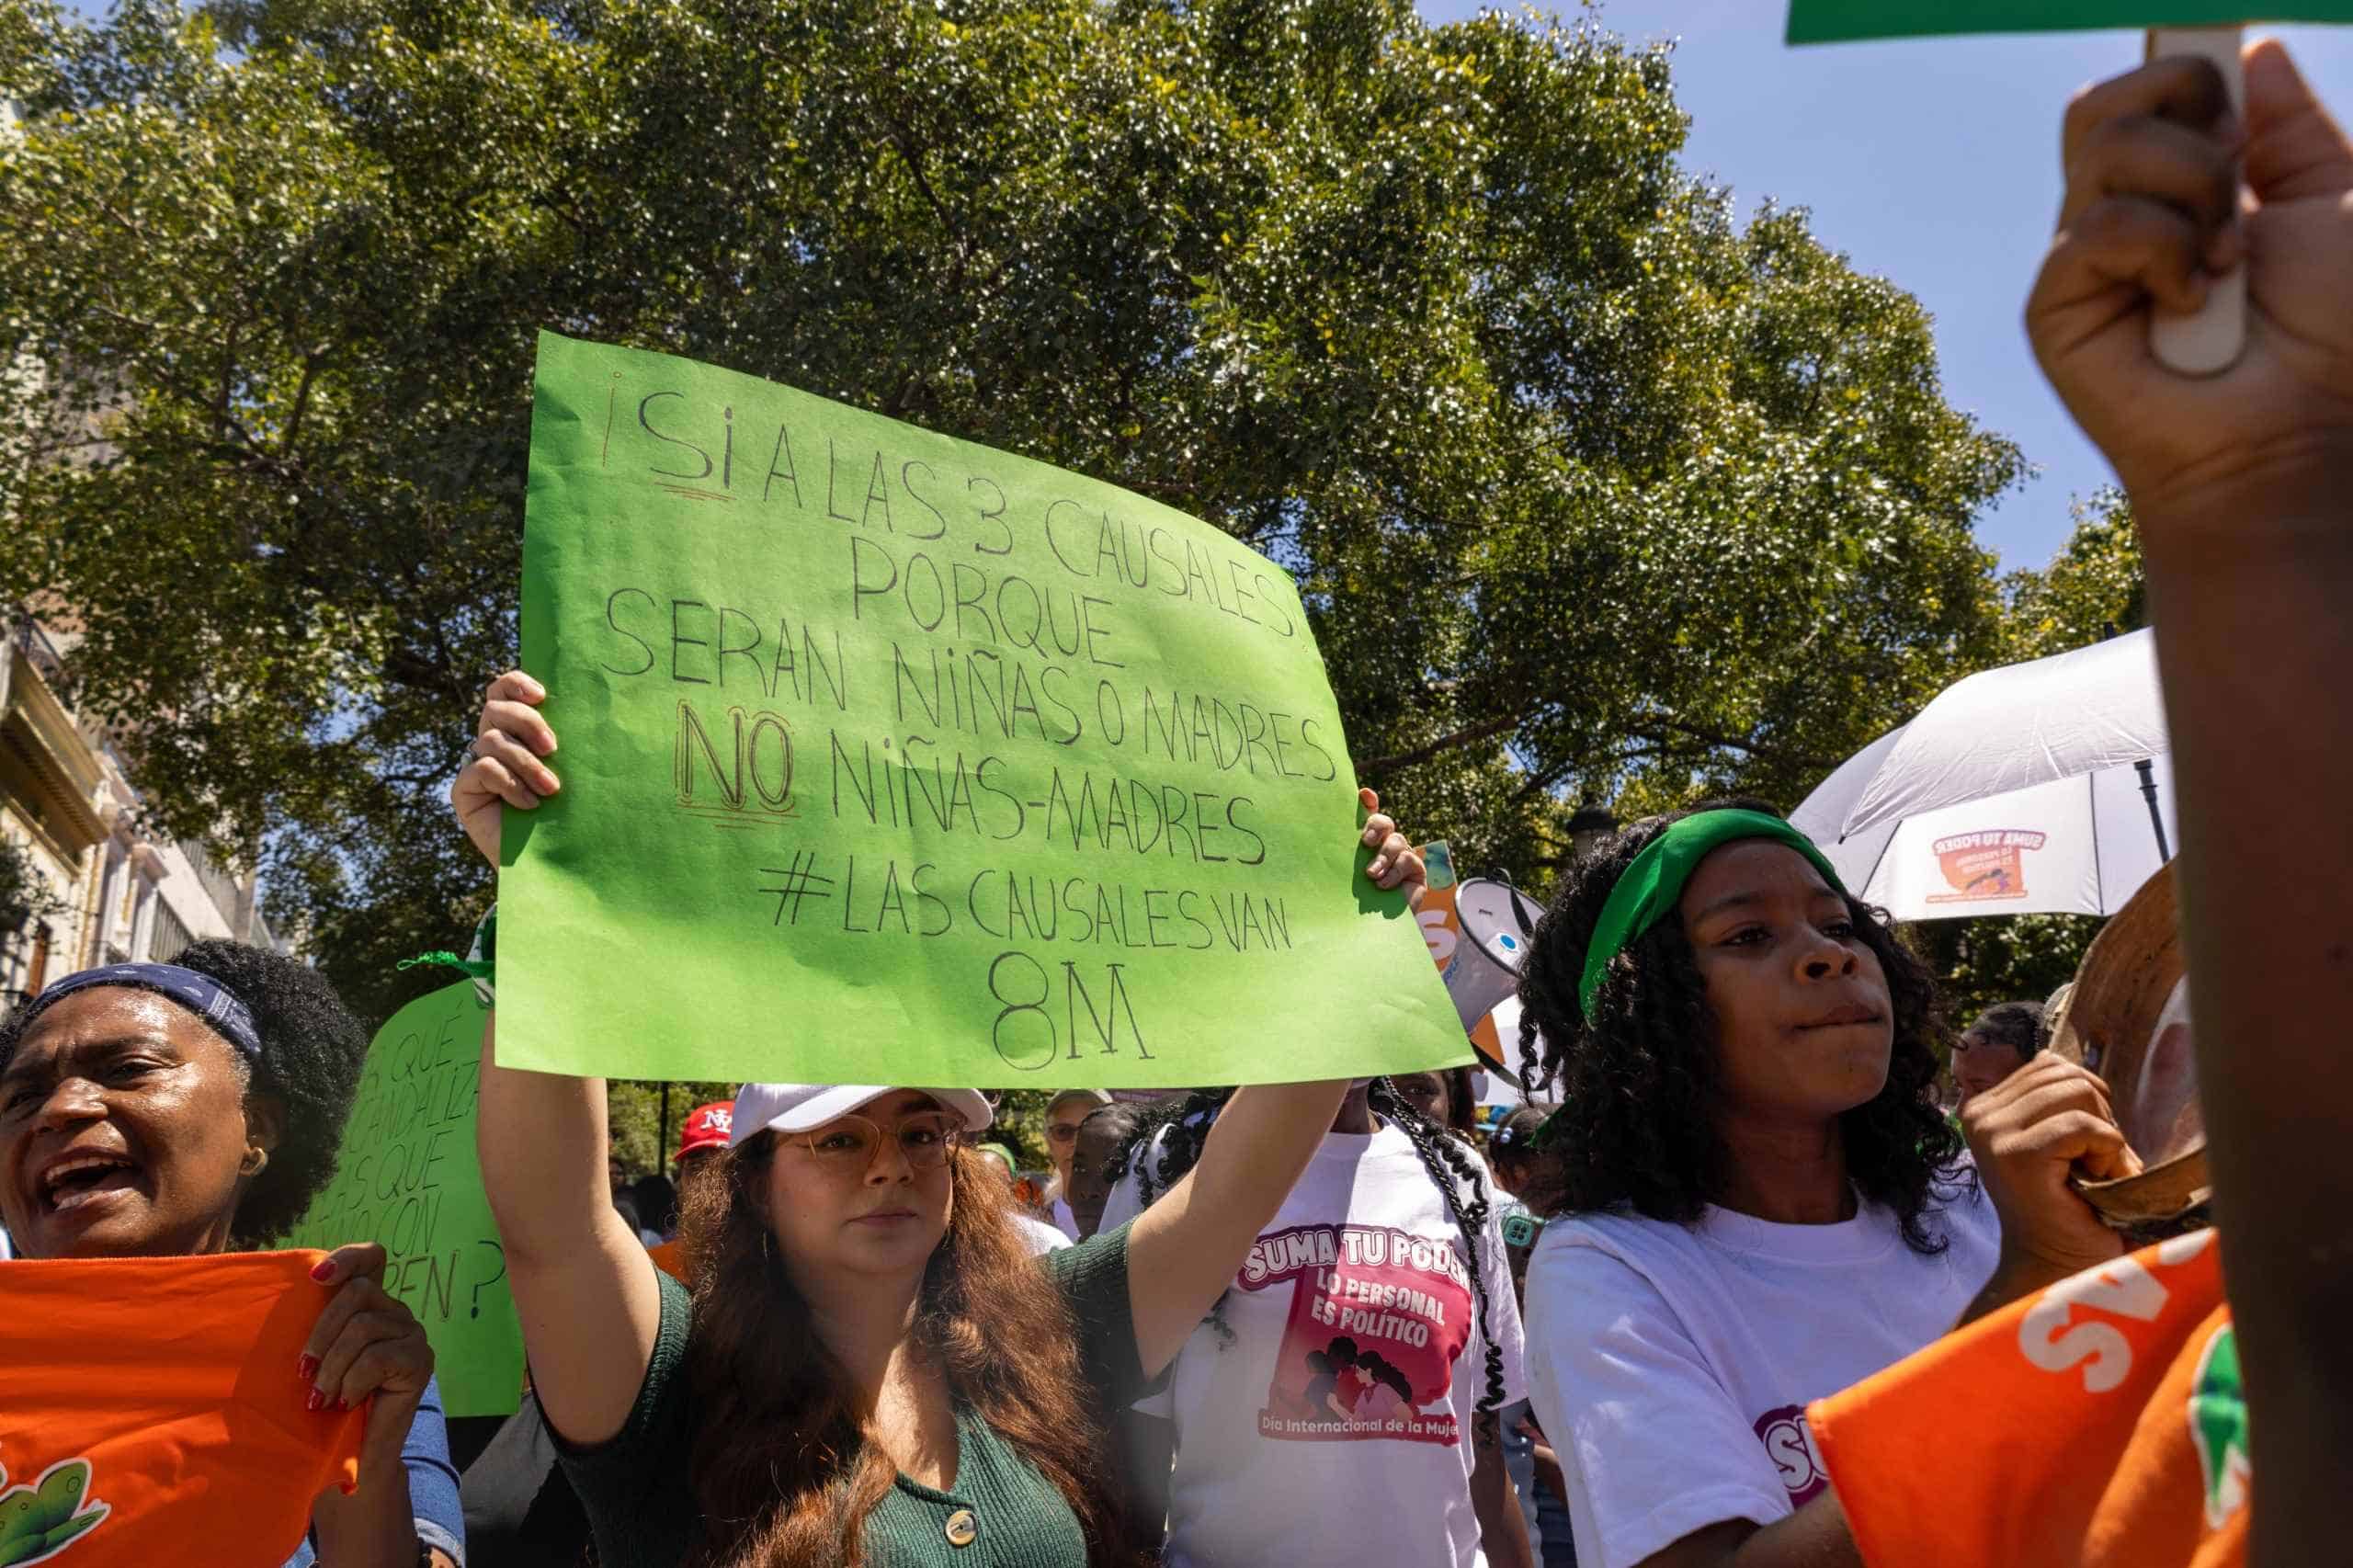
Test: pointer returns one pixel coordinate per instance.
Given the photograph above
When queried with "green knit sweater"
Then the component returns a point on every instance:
(641, 1506)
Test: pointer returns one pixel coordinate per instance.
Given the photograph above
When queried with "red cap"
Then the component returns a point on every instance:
(707, 1127)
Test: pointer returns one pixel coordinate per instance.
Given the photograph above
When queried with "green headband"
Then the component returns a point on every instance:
(1649, 889)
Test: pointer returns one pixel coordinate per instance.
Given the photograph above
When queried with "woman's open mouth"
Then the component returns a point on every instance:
(77, 1181)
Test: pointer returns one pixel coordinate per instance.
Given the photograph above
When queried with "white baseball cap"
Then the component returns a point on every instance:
(796, 1107)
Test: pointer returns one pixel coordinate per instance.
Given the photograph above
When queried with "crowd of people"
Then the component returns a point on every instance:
(1684, 1309)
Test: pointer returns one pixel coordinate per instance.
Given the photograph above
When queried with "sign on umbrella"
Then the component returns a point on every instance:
(2041, 787)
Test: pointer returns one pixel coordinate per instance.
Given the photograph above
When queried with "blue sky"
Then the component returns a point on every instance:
(1931, 162)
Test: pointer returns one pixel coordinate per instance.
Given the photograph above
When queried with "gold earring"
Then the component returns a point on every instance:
(255, 1158)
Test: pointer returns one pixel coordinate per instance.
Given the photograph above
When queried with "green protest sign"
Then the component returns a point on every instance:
(1830, 21)
(891, 758)
(408, 1178)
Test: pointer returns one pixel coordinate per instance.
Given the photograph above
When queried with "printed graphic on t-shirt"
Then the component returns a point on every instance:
(2218, 1425)
(1378, 1319)
(1791, 1448)
(45, 1516)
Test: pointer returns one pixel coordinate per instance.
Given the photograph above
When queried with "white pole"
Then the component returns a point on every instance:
(2211, 340)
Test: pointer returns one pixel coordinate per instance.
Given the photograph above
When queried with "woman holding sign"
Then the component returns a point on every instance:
(870, 1367)
(195, 1108)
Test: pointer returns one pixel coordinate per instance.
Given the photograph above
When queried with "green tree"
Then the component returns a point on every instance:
(644, 1126)
(2095, 587)
(1593, 492)
(25, 894)
(2008, 957)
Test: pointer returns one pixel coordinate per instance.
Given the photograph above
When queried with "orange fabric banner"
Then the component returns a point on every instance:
(2099, 1424)
(151, 1411)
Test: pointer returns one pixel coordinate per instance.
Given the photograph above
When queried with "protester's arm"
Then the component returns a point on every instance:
(433, 1490)
(414, 1520)
(368, 1345)
(2257, 645)
(2243, 488)
(1502, 1530)
(1814, 1536)
(1548, 1472)
(583, 1284)
(1184, 1250)
(2031, 1134)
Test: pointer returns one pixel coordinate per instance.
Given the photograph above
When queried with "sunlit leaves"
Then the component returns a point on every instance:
(1593, 491)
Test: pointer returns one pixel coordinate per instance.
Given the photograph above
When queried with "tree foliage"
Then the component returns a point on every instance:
(2095, 587)
(1593, 493)
(2006, 958)
(25, 894)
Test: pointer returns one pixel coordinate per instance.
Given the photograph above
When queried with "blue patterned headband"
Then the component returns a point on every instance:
(199, 994)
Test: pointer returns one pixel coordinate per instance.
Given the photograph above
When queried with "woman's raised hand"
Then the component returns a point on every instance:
(509, 740)
(1395, 862)
(2042, 1124)
(367, 1344)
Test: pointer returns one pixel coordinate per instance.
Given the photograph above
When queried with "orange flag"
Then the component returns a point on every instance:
(151, 1411)
(2098, 1423)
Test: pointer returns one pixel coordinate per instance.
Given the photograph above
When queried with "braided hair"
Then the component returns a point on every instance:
(1181, 1126)
(1641, 1085)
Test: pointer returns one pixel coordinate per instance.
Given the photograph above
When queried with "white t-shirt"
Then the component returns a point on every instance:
(1065, 1220)
(1042, 1238)
(1672, 1365)
(1337, 1429)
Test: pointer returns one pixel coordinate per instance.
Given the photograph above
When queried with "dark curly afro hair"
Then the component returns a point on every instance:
(313, 1052)
(1641, 1087)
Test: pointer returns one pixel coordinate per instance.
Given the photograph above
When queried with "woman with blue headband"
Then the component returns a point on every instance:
(1754, 1199)
(195, 1108)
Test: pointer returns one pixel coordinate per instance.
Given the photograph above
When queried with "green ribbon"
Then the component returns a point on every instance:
(473, 967)
(481, 963)
(1648, 891)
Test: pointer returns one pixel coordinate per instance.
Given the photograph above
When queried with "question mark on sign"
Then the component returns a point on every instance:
(475, 1300)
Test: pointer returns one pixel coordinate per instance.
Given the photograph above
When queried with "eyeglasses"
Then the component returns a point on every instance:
(848, 1145)
(1061, 1132)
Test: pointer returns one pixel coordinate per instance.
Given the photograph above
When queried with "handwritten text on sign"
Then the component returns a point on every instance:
(408, 1178)
(973, 760)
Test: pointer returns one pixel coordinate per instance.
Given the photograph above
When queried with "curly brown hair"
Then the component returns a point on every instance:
(1641, 1086)
(781, 1468)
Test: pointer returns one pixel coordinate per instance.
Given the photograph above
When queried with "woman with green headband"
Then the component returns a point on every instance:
(1754, 1199)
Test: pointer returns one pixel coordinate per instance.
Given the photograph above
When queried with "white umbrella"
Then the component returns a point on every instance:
(2039, 787)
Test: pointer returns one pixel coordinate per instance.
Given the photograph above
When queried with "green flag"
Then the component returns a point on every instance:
(407, 1178)
(891, 758)
(1830, 21)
